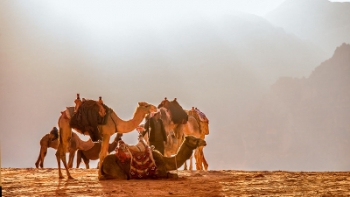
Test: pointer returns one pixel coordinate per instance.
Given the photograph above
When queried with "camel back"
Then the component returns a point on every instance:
(201, 119)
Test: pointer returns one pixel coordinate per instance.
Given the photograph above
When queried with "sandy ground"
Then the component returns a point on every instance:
(45, 182)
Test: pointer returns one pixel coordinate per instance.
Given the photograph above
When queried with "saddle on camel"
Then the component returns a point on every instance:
(87, 115)
(139, 157)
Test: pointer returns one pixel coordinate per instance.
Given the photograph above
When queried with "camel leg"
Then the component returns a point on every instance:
(64, 137)
(205, 163)
(203, 160)
(58, 157)
(191, 167)
(103, 153)
(78, 158)
(71, 158)
(61, 155)
(198, 158)
(40, 161)
(86, 160)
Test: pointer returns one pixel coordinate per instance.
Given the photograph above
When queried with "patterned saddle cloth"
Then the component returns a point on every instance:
(139, 157)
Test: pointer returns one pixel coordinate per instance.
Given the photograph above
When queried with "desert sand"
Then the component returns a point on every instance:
(45, 182)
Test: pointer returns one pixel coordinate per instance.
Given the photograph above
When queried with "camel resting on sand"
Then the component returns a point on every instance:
(51, 141)
(113, 168)
(94, 152)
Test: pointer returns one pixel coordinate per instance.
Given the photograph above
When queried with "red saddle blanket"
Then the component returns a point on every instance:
(141, 161)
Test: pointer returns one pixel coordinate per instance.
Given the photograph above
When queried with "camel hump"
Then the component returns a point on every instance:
(90, 114)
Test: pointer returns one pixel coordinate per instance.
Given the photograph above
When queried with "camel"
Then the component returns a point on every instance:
(93, 153)
(50, 141)
(190, 125)
(113, 124)
(113, 168)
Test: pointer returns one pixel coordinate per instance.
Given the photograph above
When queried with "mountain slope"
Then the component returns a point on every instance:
(321, 21)
(303, 123)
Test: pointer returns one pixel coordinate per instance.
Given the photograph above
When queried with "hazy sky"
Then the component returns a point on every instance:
(124, 51)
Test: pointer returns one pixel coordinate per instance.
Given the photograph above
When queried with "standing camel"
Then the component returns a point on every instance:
(93, 153)
(179, 125)
(113, 124)
(51, 141)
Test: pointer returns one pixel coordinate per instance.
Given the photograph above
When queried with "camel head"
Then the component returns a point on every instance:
(146, 107)
(194, 142)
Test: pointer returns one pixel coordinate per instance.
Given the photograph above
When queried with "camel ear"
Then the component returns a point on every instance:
(175, 99)
(165, 98)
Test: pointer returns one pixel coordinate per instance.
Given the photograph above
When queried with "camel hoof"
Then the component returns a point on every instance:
(70, 178)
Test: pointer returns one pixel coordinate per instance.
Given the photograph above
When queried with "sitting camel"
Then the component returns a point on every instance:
(93, 153)
(114, 168)
(51, 141)
(179, 123)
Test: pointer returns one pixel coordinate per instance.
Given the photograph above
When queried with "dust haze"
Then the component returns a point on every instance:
(276, 94)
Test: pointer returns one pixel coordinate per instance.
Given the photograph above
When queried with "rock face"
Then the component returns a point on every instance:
(303, 123)
(321, 21)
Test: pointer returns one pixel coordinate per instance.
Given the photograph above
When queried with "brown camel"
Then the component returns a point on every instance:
(113, 124)
(190, 125)
(51, 141)
(93, 153)
(113, 168)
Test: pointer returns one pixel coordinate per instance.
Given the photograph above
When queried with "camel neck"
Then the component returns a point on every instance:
(129, 125)
(184, 153)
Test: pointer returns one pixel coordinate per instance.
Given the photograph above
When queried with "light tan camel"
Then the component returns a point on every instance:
(49, 141)
(176, 132)
(113, 124)
(113, 168)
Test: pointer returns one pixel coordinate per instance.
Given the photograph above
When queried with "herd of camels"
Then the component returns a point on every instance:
(185, 139)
